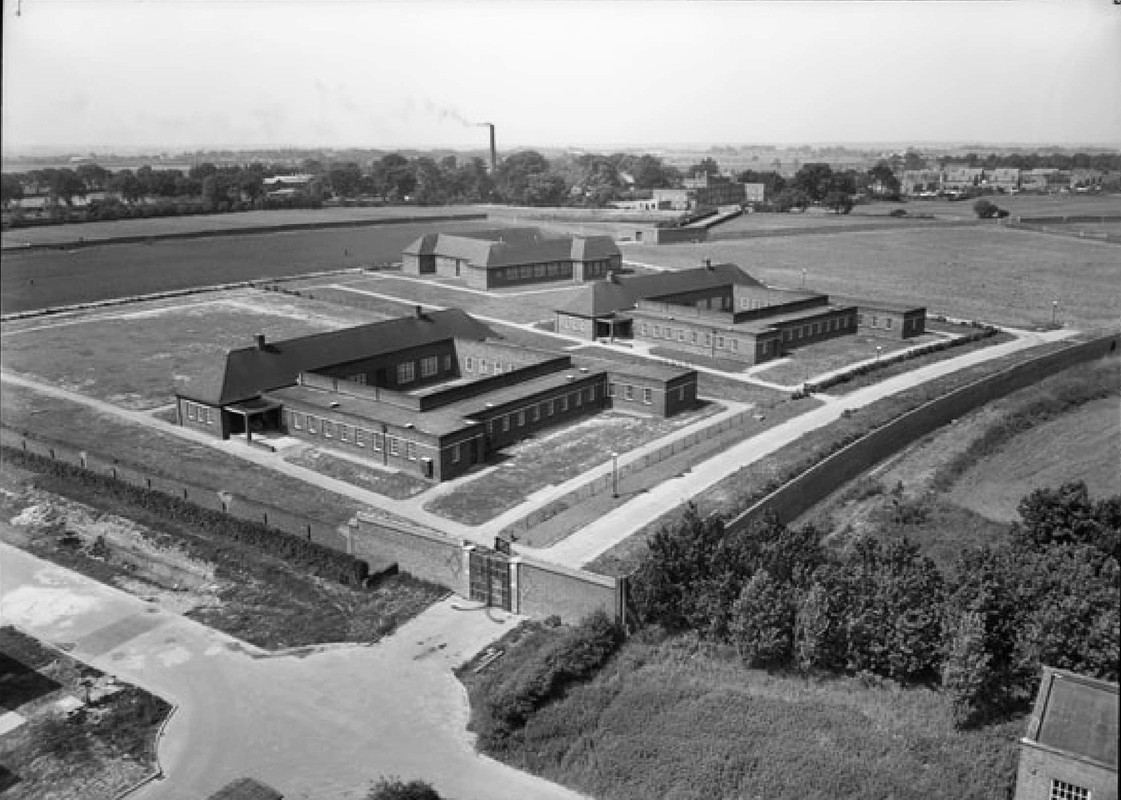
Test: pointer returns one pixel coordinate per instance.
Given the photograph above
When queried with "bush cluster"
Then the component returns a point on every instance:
(319, 559)
(1049, 596)
(575, 656)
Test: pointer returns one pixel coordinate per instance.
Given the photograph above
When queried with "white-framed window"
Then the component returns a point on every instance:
(708, 339)
(360, 437)
(297, 420)
(483, 366)
(410, 451)
(887, 322)
(787, 335)
(1061, 790)
(521, 419)
(394, 445)
(648, 396)
(209, 415)
(735, 343)
(681, 334)
(328, 429)
(358, 377)
(578, 399)
(429, 366)
(681, 394)
(645, 329)
(469, 362)
(628, 392)
(875, 321)
(693, 337)
(312, 424)
(344, 432)
(506, 423)
(550, 407)
(497, 367)
(192, 413)
(406, 372)
(591, 391)
(536, 412)
(657, 331)
(447, 362)
(719, 342)
(455, 453)
(611, 390)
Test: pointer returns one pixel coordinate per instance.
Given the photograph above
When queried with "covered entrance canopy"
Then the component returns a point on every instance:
(257, 414)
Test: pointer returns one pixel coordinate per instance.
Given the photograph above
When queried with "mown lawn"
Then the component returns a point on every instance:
(391, 483)
(137, 356)
(675, 720)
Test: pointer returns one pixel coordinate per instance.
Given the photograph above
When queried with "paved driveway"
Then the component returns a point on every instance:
(319, 724)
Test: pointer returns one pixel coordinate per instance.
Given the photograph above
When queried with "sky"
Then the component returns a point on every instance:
(183, 74)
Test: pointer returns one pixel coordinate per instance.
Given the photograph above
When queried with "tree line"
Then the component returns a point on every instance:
(1050, 595)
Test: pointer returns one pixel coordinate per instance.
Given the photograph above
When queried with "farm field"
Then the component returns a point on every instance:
(46, 278)
(1084, 445)
(162, 226)
(1022, 205)
(989, 273)
(136, 356)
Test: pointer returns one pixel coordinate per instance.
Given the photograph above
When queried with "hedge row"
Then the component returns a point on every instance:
(906, 355)
(545, 676)
(318, 559)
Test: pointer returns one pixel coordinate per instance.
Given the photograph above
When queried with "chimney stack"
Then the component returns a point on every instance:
(493, 149)
(260, 341)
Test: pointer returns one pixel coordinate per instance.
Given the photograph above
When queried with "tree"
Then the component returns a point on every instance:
(773, 182)
(11, 188)
(124, 183)
(790, 198)
(815, 179)
(393, 177)
(94, 177)
(65, 185)
(838, 202)
(816, 631)
(706, 166)
(344, 178)
(1067, 515)
(396, 789)
(762, 627)
(966, 676)
(882, 181)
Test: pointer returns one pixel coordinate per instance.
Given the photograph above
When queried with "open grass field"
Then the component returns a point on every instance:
(1084, 445)
(49, 278)
(989, 273)
(1022, 205)
(136, 356)
(673, 720)
(162, 226)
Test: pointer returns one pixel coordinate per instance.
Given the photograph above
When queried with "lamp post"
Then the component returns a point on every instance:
(803, 277)
(878, 349)
(614, 475)
(1054, 312)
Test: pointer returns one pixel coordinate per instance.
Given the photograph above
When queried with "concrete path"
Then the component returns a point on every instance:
(322, 723)
(595, 539)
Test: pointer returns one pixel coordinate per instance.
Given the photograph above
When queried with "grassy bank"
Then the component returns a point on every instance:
(672, 719)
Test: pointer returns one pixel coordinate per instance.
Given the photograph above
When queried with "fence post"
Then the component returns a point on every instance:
(309, 532)
(265, 518)
(52, 454)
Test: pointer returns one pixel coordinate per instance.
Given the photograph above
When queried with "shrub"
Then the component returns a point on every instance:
(396, 789)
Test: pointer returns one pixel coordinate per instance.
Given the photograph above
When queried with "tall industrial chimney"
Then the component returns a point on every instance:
(493, 149)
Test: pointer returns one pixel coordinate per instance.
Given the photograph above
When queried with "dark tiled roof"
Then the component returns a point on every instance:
(252, 370)
(1077, 715)
(513, 246)
(602, 298)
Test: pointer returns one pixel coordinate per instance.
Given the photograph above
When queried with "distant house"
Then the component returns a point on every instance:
(702, 190)
(920, 181)
(431, 394)
(511, 257)
(1070, 750)
(962, 178)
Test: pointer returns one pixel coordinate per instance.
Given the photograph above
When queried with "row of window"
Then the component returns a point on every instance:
(815, 329)
(647, 393)
(551, 269)
(691, 337)
(471, 364)
(753, 303)
(429, 367)
(575, 323)
(198, 413)
(548, 408)
(352, 434)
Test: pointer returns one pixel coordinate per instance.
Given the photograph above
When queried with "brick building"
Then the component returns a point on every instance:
(1070, 750)
(511, 257)
(432, 394)
(719, 311)
(701, 190)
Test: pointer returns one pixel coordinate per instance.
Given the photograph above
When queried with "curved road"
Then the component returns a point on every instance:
(322, 723)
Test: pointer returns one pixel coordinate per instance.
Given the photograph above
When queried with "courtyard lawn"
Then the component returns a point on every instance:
(137, 356)
(988, 273)
(552, 458)
(812, 360)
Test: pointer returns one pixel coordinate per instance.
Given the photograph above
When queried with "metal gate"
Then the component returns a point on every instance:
(490, 578)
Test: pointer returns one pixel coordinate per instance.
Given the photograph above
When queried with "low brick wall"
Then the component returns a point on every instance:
(543, 590)
(815, 484)
(427, 555)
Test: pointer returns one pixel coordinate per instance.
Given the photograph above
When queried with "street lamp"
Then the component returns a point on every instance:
(803, 277)
(878, 349)
(1054, 312)
(614, 475)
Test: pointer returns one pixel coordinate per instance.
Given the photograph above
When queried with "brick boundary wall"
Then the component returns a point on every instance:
(537, 588)
(815, 484)
(234, 504)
